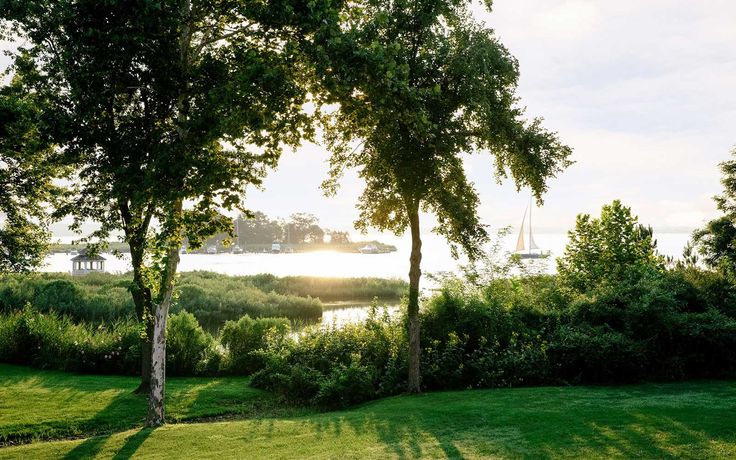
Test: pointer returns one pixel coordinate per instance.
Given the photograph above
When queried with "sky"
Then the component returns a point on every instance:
(643, 91)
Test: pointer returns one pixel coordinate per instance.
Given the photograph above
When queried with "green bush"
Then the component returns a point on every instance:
(335, 367)
(48, 341)
(472, 339)
(246, 337)
(188, 347)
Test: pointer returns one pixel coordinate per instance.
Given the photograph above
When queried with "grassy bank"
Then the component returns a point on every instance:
(693, 420)
(213, 298)
(38, 404)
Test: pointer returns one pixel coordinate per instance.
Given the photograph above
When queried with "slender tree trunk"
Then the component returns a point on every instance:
(156, 414)
(135, 233)
(415, 274)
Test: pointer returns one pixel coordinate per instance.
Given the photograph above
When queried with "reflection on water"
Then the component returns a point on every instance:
(341, 313)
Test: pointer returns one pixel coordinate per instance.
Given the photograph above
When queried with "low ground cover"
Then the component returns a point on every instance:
(38, 404)
(692, 420)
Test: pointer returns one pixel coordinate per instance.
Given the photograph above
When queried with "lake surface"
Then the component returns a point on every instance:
(342, 313)
(436, 258)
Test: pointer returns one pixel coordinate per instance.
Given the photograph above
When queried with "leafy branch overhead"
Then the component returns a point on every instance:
(27, 172)
(419, 83)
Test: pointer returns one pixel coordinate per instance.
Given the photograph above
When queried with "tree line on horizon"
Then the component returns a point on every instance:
(258, 228)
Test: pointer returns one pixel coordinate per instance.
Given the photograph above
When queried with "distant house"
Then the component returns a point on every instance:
(84, 264)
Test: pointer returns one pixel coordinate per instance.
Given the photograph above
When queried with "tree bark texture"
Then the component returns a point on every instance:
(415, 273)
(156, 413)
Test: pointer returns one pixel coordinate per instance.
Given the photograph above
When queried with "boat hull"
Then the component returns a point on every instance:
(543, 255)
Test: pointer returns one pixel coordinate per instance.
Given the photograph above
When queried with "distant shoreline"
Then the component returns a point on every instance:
(381, 248)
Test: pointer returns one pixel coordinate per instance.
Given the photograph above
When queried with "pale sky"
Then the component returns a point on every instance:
(644, 91)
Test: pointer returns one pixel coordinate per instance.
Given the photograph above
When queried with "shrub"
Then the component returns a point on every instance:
(471, 339)
(335, 367)
(247, 336)
(48, 341)
(188, 346)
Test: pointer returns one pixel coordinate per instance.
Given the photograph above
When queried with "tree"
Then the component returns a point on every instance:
(716, 242)
(417, 84)
(606, 248)
(304, 228)
(338, 237)
(158, 105)
(27, 190)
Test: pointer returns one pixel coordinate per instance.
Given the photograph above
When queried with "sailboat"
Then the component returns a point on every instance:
(522, 249)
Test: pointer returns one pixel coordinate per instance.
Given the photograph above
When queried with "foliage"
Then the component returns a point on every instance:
(715, 241)
(166, 111)
(336, 367)
(246, 337)
(602, 249)
(27, 170)
(48, 341)
(328, 289)
(213, 303)
(417, 84)
(212, 298)
(189, 349)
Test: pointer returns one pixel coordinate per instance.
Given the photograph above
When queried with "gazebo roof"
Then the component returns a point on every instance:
(84, 257)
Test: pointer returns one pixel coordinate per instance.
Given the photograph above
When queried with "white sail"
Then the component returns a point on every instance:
(532, 244)
(520, 246)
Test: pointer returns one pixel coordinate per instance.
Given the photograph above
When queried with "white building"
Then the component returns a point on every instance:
(84, 264)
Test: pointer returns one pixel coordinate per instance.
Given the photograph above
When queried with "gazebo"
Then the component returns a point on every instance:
(84, 264)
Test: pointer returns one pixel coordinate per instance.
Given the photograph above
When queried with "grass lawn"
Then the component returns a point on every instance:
(48, 404)
(691, 420)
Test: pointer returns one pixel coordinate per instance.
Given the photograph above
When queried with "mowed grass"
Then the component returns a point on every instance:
(48, 404)
(683, 420)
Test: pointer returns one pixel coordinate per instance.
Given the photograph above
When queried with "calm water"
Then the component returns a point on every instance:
(344, 313)
(436, 258)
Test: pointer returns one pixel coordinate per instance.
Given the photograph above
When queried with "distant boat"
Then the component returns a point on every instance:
(369, 249)
(522, 249)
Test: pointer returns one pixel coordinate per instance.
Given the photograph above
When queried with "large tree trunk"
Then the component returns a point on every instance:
(156, 414)
(415, 274)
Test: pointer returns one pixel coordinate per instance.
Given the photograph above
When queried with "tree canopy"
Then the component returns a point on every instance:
(417, 85)
(604, 249)
(27, 187)
(716, 241)
(166, 111)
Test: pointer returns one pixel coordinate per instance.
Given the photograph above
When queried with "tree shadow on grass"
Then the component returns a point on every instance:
(68, 405)
(92, 446)
(505, 423)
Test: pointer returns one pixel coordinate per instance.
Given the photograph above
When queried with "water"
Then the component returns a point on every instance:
(342, 313)
(436, 258)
